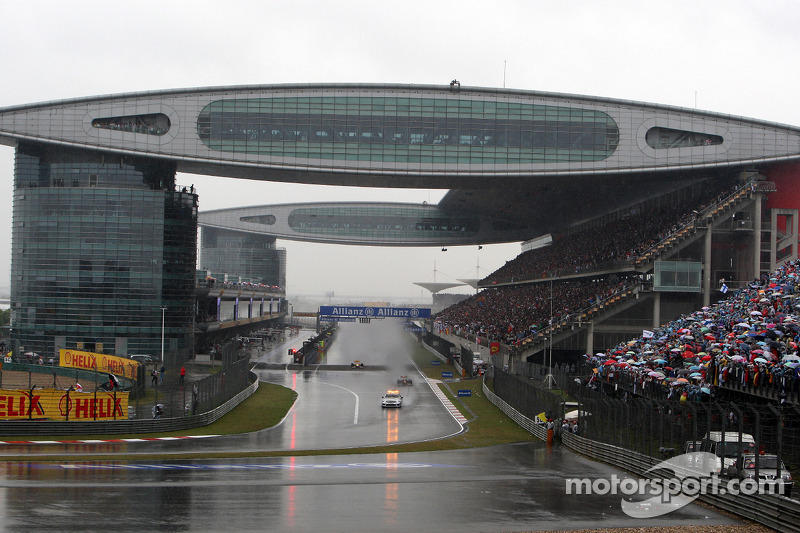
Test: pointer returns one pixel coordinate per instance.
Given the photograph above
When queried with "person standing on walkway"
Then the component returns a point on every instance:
(183, 374)
(154, 377)
(161, 372)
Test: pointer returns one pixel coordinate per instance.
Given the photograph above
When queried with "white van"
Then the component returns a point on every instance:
(727, 446)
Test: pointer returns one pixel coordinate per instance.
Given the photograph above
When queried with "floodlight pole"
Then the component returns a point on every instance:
(549, 379)
(163, 311)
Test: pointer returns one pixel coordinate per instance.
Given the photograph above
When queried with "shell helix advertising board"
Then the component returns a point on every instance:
(54, 404)
(109, 364)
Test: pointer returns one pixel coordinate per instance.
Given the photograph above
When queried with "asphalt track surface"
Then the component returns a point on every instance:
(505, 488)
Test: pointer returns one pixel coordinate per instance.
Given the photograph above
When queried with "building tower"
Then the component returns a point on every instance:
(100, 244)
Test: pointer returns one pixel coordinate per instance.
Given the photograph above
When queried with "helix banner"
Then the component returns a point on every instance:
(54, 404)
(110, 364)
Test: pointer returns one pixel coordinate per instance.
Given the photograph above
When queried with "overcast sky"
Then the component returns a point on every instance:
(726, 56)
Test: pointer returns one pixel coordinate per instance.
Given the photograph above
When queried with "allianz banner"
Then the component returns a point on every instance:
(53, 404)
(375, 312)
(109, 364)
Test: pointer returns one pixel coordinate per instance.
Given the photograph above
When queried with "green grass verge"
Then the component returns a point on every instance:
(490, 425)
(265, 408)
(487, 425)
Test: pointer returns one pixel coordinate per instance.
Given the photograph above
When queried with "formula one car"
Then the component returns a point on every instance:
(405, 380)
(356, 364)
(392, 398)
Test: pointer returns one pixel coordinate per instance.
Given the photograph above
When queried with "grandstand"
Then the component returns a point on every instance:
(608, 279)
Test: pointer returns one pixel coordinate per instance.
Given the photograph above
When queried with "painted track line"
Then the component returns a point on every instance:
(100, 441)
(454, 412)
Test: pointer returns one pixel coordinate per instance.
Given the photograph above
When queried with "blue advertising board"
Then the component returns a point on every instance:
(327, 318)
(447, 374)
(464, 392)
(375, 312)
(436, 362)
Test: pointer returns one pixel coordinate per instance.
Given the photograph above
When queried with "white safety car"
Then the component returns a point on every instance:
(392, 398)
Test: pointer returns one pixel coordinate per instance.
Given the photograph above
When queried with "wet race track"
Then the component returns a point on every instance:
(504, 488)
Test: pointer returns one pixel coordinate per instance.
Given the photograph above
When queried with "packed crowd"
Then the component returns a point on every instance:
(621, 241)
(509, 314)
(748, 341)
(212, 282)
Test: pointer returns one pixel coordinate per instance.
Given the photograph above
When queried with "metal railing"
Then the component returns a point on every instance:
(783, 385)
(662, 423)
(196, 397)
(683, 228)
(58, 377)
(778, 512)
(117, 427)
(526, 398)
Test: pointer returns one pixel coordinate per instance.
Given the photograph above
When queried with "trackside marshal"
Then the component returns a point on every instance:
(375, 312)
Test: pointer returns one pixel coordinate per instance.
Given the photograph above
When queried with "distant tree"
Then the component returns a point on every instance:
(5, 317)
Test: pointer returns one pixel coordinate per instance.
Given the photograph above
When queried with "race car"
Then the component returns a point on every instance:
(405, 380)
(356, 364)
(392, 398)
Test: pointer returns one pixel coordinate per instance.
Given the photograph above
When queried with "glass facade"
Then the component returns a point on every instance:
(677, 276)
(100, 243)
(661, 138)
(389, 223)
(152, 124)
(405, 129)
(250, 256)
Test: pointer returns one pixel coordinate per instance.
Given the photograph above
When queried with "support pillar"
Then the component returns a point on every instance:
(779, 241)
(590, 338)
(757, 200)
(656, 310)
(707, 264)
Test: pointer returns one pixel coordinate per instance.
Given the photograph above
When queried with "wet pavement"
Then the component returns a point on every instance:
(505, 488)
(334, 408)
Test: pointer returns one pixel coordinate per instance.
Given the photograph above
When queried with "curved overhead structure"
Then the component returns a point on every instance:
(435, 287)
(399, 135)
(376, 224)
(103, 251)
(472, 282)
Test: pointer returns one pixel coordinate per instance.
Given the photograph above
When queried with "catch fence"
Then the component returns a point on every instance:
(524, 396)
(194, 397)
(656, 427)
(662, 427)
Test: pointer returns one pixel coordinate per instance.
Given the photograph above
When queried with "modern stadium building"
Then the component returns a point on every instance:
(104, 245)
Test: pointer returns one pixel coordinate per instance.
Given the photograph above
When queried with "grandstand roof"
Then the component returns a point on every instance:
(435, 287)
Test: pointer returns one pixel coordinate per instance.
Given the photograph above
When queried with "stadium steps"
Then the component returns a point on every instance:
(684, 233)
(568, 327)
(687, 232)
